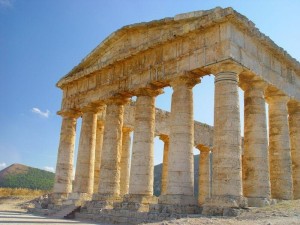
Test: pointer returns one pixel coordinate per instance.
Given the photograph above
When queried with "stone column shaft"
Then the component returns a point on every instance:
(204, 176)
(227, 171)
(84, 175)
(125, 161)
(294, 123)
(111, 150)
(164, 174)
(64, 165)
(98, 151)
(180, 179)
(279, 149)
(256, 176)
(142, 164)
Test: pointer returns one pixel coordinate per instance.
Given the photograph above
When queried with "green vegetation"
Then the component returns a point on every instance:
(32, 179)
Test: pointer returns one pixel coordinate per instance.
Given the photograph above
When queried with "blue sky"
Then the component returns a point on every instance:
(40, 41)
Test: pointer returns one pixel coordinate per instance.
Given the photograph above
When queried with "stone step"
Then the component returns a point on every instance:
(111, 216)
(66, 211)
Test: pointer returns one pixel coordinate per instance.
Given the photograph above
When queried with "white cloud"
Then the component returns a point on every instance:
(49, 168)
(2, 166)
(6, 3)
(40, 112)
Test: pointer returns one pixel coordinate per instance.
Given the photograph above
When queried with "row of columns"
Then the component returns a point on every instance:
(112, 142)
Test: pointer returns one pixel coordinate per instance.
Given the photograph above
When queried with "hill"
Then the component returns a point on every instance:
(21, 176)
(157, 177)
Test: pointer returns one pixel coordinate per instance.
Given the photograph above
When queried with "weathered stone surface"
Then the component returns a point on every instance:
(98, 152)
(256, 178)
(64, 165)
(111, 150)
(142, 163)
(227, 170)
(203, 133)
(180, 180)
(84, 175)
(141, 59)
(294, 126)
(164, 173)
(280, 148)
(125, 161)
(204, 176)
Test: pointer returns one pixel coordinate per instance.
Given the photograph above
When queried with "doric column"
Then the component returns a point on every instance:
(84, 175)
(142, 164)
(227, 168)
(64, 165)
(98, 151)
(279, 148)
(204, 176)
(294, 123)
(164, 173)
(180, 180)
(256, 176)
(125, 161)
(109, 186)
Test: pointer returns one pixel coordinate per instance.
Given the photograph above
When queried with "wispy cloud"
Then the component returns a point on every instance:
(2, 165)
(49, 168)
(40, 112)
(6, 3)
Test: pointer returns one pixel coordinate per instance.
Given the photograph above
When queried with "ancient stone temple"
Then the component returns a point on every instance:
(114, 183)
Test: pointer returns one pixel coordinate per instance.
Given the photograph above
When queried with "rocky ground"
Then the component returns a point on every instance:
(284, 213)
(13, 203)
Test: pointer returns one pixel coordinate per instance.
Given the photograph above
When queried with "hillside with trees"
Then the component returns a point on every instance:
(21, 176)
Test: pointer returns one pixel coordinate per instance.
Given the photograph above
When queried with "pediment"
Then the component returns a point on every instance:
(137, 38)
(132, 39)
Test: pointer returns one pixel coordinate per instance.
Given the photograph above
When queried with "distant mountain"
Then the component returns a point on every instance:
(157, 177)
(21, 176)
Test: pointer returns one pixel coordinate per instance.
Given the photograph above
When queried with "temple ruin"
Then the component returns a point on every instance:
(140, 60)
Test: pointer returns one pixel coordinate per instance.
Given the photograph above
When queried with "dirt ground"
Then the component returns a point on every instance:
(284, 213)
(13, 203)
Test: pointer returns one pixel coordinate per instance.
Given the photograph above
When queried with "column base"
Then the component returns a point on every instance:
(144, 199)
(224, 206)
(103, 201)
(259, 201)
(178, 200)
(179, 204)
(77, 199)
(138, 203)
(58, 198)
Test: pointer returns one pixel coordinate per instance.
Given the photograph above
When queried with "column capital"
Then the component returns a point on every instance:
(69, 113)
(247, 85)
(227, 76)
(226, 66)
(203, 148)
(95, 108)
(126, 129)
(117, 101)
(188, 79)
(164, 138)
(148, 92)
(100, 122)
(272, 95)
(294, 107)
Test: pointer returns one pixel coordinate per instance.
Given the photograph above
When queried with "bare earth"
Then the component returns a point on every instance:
(284, 213)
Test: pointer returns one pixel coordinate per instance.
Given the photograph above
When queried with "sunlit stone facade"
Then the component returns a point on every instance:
(139, 61)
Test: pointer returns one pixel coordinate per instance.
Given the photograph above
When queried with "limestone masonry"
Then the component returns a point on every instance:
(113, 184)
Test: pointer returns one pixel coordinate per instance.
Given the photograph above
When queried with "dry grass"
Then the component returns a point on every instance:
(21, 192)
